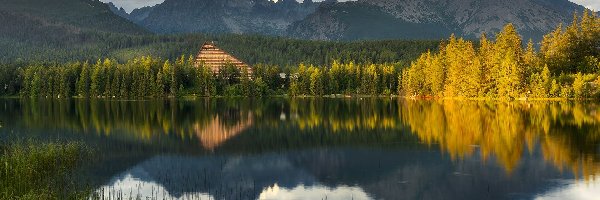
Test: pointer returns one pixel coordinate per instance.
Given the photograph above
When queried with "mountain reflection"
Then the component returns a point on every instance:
(255, 146)
(219, 177)
(339, 173)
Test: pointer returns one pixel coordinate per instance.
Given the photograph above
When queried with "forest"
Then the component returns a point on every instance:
(252, 49)
(567, 65)
(140, 59)
(148, 77)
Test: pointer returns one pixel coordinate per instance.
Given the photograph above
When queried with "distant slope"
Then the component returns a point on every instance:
(44, 29)
(79, 14)
(433, 18)
(356, 20)
(222, 16)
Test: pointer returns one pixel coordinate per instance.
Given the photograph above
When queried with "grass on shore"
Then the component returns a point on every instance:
(41, 170)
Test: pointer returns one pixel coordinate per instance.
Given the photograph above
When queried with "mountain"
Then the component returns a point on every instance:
(140, 14)
(58, 29)
(356, 20)
(72, 15)
(433, 18)
(222, 16)
(117, 11)
(50, 31)
(58, 22)
(359, 20)
(137, 15)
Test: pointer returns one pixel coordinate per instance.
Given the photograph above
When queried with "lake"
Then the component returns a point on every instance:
(321, 148)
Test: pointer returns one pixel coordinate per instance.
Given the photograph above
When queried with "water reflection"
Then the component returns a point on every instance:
(568, 133)
(223, 177)
(334, 148)
(399, 173)
(217, 131)
(573, 190)
(313, 192)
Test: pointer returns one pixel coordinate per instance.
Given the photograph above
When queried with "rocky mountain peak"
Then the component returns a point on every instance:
(361, 19)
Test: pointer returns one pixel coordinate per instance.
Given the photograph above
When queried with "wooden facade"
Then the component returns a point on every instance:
(214, 58)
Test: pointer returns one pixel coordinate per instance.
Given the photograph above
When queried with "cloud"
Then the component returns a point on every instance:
(591, 4)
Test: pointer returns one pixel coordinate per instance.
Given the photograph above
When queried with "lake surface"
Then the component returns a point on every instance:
(282, 148)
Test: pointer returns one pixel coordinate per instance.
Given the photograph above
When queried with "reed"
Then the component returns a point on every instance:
(41, 170)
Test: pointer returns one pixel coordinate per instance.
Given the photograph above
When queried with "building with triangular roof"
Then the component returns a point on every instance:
(215, 58)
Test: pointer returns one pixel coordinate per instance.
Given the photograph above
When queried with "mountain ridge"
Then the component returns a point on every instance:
(83, 14)
(59, 29)
(467, 18)
(222, 16)
(356, 20)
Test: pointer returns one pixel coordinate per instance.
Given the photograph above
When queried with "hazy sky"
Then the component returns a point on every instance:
(129, 5)
(591, 4)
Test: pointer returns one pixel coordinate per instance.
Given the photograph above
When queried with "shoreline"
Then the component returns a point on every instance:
(333, 96)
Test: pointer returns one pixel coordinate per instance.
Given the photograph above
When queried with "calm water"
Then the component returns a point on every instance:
(324, 148)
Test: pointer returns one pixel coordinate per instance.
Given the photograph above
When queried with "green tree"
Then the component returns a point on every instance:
(83, 83)
(316, 81)
(260, 87)
(580, 87)
(97, 80)
(555, 89)
(370, 80)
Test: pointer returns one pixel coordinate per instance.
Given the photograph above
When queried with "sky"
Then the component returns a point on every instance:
(591, 4)
(129, 5)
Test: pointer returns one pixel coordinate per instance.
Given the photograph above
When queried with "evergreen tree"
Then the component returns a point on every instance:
(488, 79)
(246, 84)
(580, 87)
(508, 67)
(554, 89)
(116, 82)
(370, 80)
(64, 84)
(36, 85)
(530, 59)
(437, 74)
(316, 81)
(83, 83)
(96, 80)
(160, 84)
(463, 68)
(169, 71)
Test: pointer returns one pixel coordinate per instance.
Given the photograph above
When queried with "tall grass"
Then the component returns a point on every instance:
(41, 170)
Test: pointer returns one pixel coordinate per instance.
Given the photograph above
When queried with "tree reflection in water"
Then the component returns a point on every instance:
(565, 135)
(568, 133)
